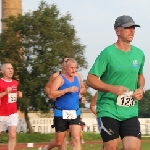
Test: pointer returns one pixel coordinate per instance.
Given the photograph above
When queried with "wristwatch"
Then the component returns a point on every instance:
(143, 89)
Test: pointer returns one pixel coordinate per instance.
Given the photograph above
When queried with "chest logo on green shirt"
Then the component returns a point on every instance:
(135, 63)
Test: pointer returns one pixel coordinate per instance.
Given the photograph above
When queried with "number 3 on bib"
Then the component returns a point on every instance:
(126, 100)
(12, 97)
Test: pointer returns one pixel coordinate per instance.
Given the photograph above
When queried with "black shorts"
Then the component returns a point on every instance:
(62, 125)
(111, 128)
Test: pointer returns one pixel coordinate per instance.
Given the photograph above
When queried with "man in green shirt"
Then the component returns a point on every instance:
(117, 74)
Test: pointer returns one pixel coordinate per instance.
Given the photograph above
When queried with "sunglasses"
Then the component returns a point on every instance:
(66, 61)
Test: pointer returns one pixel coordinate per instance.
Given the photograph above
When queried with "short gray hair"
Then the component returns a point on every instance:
(3, 65)
(71, 60)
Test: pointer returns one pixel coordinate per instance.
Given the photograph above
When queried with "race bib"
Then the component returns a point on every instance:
(12, 97)
(69, 114)
(126, 100)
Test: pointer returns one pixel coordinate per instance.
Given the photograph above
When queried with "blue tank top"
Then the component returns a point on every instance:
(68, 101)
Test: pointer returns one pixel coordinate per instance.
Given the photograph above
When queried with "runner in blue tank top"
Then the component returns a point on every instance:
(66, 90)
(48, 88)
(71, 99)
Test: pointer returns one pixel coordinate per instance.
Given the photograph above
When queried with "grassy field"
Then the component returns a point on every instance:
(145, 146)
(35, 138)
(88, 137)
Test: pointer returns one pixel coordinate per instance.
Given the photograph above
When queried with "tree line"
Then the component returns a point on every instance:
(35, 44)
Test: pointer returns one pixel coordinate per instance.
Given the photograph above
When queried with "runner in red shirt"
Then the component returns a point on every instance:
(8, 106)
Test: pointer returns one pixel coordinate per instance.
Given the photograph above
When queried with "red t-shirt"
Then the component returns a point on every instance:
(8, 104)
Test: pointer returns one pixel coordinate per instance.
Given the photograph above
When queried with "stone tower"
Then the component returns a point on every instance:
(10, 7)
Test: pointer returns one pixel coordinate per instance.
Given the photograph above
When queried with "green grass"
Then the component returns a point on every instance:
(145, 146)
(35, 138)
(29, 138)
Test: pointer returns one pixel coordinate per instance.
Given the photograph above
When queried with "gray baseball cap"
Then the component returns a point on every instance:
(125, 21)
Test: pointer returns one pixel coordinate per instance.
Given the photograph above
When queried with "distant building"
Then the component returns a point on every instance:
(10, 7)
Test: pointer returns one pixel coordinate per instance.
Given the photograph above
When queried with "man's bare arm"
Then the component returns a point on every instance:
(50, 82)
(141, 81)
(54, 92)
(8, 90)
(138, 93)
(93, 103)
(97, 84)
(58, 82)
(82, 86)
(19, 94)
(2, 94)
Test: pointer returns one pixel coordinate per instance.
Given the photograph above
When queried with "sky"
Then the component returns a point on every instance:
(94, 20)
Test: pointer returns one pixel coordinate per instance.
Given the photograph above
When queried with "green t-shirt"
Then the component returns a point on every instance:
(117, 67)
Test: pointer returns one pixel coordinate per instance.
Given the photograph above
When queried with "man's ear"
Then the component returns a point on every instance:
(118, 29)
